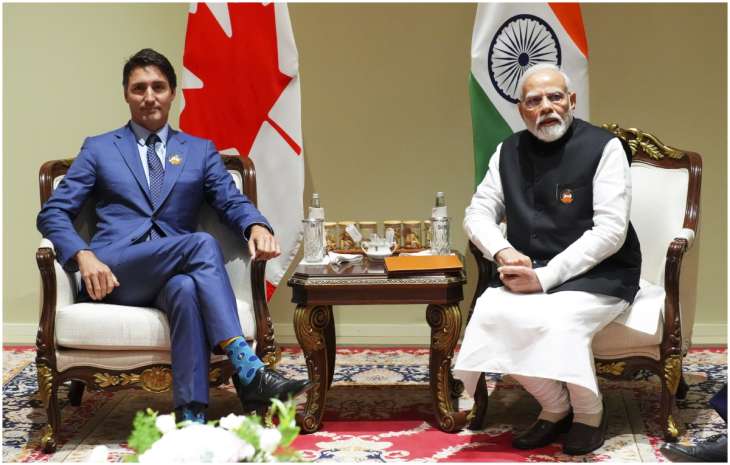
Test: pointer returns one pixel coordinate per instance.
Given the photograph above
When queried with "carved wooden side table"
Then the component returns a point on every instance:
(316, 288)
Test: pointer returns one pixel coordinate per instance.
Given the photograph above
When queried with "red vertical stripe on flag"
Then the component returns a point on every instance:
(270, 289)
(570, 17)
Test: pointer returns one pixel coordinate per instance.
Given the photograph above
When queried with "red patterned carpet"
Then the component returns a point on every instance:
(379, 410)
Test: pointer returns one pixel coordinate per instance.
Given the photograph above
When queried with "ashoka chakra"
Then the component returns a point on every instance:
(522, 41)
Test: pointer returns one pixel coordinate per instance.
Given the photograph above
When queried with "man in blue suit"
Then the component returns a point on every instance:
(150, 182)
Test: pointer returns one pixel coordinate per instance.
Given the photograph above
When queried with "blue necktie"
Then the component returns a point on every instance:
(157, 176)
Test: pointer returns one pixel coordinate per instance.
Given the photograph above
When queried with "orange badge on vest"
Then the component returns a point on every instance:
(566, 196)
(175, 160)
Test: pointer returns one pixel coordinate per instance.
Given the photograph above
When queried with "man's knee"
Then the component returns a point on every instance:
(179, 292)
(203, 238)
(205, 242)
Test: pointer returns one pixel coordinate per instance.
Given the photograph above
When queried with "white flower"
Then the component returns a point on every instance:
(231, 421)
(269, 439)
(98, 455)
(165, 423)
(246, 452)
(198, 443)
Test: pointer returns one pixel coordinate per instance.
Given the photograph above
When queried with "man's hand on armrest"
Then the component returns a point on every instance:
(98, 278)
(512, 257)
(262, 244)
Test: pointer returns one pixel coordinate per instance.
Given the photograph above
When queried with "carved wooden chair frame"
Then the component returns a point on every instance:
(153, 377)
(645, 148)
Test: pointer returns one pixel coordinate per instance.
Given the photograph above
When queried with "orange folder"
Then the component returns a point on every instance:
(424, 264)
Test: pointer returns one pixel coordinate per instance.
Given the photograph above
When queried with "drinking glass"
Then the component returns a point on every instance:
(313, 239)
(440, 236)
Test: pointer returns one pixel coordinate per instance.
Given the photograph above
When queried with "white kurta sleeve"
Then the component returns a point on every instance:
(486, 210)
(611, 209)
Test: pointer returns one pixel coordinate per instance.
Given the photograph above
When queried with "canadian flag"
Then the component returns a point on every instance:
(241, 90)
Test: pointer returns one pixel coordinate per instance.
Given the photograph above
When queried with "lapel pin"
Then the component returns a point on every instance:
(175, 159)
(566, 196)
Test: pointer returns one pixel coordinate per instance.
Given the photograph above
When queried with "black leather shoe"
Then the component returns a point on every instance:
(712, 449)
(542, 433)
(583, 439)
(268, 384)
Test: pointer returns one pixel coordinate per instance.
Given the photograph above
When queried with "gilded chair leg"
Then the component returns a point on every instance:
(48, 392)
(76, 392)
(670, 384)
(667, 421)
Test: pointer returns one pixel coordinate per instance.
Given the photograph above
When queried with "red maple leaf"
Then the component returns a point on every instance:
(240, 75)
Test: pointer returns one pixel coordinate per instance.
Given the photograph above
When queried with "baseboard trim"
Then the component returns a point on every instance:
(370, 334)
(19, 333)
(709, 334)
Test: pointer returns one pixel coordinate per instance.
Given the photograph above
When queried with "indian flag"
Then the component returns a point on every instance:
(508, 38)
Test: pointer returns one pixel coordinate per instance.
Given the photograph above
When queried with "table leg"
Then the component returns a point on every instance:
(310, 325)
(331, 343)
(445, 323)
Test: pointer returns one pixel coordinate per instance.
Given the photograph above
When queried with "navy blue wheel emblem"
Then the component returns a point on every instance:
(522, 41)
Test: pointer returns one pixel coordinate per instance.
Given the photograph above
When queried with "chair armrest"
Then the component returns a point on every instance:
(672, 334)
(45, 338)
(66, 283)
(688, 235)
(486, 271)
(266, 348)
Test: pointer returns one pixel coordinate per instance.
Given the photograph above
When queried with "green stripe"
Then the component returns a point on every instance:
(489, 128)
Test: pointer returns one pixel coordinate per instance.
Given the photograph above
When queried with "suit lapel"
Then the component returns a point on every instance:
(174, 162)
(127, 145)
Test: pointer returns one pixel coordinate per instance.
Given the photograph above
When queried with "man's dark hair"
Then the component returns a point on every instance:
(149, 57)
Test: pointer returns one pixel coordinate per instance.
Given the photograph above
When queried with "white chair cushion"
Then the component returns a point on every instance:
(93, 326)
(618, 341)
(119, 360)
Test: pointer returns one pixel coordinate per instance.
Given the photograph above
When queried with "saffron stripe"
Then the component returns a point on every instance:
(570, 17)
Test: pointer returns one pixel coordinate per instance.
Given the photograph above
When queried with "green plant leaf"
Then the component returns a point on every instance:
(144, 432)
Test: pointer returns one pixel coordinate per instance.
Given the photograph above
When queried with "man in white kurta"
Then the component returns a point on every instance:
(538, 324)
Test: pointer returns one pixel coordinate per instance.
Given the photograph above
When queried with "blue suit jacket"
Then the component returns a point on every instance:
(109, 167)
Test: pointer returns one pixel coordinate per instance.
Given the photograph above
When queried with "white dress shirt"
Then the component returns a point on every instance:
(611, 208)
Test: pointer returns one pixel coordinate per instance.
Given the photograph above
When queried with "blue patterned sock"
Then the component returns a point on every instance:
(244, 361)
(193, 412)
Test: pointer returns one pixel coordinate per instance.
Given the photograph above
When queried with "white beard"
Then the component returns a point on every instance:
(553, 132)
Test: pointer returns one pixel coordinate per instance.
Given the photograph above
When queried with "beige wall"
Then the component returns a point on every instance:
(385, 115)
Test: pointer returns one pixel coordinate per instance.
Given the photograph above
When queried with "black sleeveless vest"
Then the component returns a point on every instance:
(548, 195)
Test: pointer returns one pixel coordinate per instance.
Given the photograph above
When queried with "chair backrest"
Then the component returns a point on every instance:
(665, 196)
(235, 251)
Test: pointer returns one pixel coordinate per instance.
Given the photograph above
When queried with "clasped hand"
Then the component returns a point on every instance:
(262, 244)
(516, 273)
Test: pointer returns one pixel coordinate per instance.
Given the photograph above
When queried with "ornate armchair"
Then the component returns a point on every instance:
(665, 213)
(109, 347)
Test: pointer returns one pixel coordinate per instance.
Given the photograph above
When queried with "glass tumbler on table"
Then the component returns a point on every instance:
(313, 239)
(440, 236)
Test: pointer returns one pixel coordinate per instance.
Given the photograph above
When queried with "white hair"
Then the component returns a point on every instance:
(536, 69)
